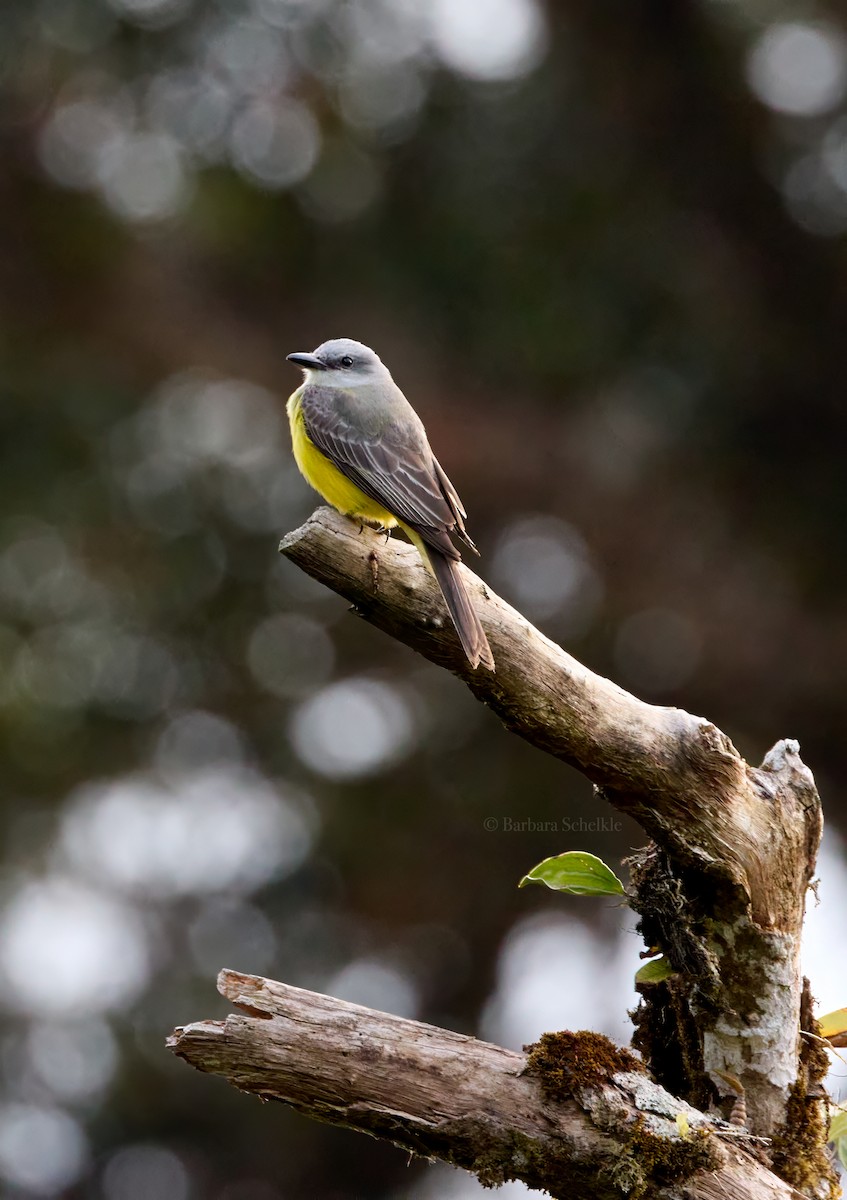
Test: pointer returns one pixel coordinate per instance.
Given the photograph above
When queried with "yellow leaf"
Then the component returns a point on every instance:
(833, 1023)
(682, 1125)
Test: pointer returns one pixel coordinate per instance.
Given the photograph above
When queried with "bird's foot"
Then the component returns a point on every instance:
(379, 529)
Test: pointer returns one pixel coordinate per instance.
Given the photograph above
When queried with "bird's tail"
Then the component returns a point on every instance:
(470, 631)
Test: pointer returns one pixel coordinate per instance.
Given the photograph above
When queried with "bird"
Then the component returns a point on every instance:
(359, 443)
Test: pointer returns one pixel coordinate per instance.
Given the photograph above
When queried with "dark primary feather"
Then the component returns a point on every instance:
(385, 452)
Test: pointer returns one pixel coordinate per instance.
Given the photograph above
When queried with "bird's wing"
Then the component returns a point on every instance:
(452, 497)
(393, 466)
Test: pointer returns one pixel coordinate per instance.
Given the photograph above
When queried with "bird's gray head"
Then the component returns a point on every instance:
(341, 362)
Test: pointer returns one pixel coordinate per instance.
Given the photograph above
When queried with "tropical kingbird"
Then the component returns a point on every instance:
(360, 444)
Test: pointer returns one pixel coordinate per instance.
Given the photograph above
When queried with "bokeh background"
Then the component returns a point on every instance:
(602, 248)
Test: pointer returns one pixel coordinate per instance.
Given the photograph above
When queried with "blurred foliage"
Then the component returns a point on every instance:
(602, 249)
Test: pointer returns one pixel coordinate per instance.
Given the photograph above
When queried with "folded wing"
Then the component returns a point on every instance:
(393, 464)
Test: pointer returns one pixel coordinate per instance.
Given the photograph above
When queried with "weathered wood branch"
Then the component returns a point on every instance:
(443, 1095)
(678, 775)
(539, 691)
(722, 890)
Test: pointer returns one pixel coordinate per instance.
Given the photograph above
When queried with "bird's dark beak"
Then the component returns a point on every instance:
(307, 360)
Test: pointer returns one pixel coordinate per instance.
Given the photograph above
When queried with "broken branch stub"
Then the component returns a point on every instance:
(576, 1119)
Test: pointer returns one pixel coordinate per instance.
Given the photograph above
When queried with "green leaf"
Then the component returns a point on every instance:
(838, 1134)
(838, 1125)
(833, 1023)
(841, 1151)
(654, 971)
(577, 873)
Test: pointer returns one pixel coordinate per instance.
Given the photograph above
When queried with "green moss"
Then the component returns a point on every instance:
(567, 1062)
(497, 1156)
(493, 1167)
(667, 1035)
(799, 1153)
(650, 1161)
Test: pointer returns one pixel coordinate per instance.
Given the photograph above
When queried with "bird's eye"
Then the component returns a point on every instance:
(347, 361)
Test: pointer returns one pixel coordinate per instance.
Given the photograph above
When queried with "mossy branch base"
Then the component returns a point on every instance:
(573, 1116)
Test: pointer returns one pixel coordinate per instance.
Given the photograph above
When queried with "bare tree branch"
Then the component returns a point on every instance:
(678, 775)
(722, 892)
(443, 1095)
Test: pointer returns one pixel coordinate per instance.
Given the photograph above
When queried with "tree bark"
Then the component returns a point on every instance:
(439, 1094)
(720, 891)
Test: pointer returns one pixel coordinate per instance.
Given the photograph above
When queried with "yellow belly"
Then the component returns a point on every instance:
(326, 478)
